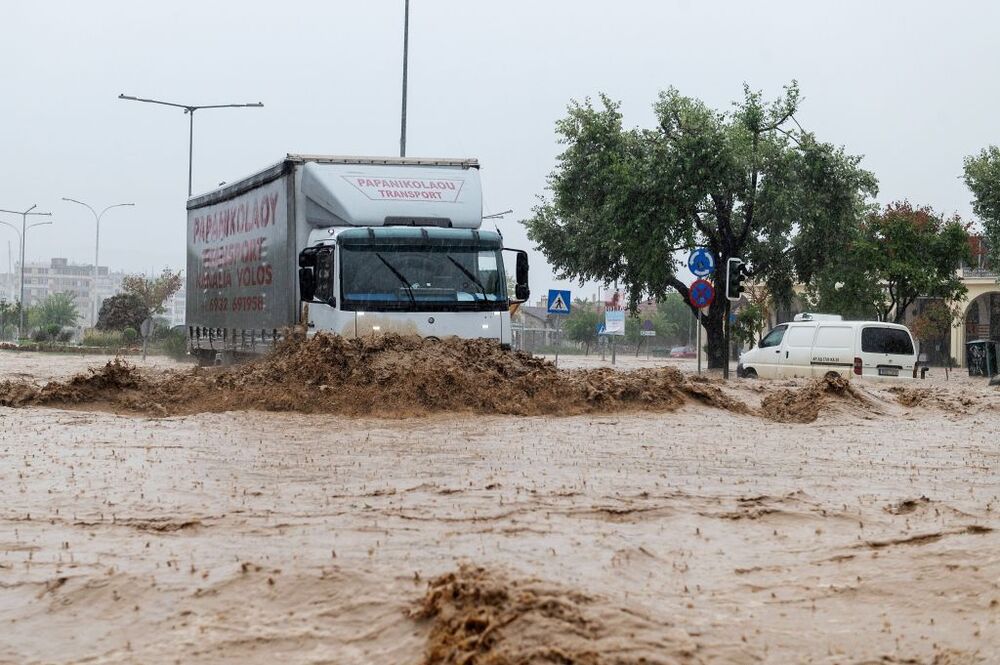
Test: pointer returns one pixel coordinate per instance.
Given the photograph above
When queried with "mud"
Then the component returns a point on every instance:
(804, 404)
(696, 533)
(487, 618)
(388, 374)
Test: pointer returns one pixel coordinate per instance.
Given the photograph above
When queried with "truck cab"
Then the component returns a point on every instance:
(427, 281)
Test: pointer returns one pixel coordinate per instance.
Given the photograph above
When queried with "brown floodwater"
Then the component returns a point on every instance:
(696, 534)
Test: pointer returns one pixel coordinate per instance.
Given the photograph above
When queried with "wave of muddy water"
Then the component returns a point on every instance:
(691, 535)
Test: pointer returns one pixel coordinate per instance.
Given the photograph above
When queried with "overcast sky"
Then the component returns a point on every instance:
(909, 85)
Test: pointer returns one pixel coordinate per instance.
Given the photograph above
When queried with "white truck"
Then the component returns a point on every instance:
(350, 245)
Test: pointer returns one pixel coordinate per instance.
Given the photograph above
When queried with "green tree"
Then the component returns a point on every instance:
(57, 310)
(982, 176)
(153, 292)
(672, 320)
(748, 182)
(10, 313)
(120, 311)
(581, 324)
(897, 255)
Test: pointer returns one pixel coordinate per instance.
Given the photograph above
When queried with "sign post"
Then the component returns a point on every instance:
(701, 293)
(648, 330)
(614, 325)
(558, 305)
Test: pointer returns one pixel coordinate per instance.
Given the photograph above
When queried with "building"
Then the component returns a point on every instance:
(60, 276)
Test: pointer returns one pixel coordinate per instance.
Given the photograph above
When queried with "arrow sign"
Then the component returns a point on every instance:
(701, 262)
(558, 302)
(701, 293)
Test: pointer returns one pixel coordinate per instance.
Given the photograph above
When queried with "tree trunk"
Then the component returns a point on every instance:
(715, 336)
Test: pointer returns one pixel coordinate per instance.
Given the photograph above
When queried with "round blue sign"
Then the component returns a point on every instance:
(701, 293)
(701, 262)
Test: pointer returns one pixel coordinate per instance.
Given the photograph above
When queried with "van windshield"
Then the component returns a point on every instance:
(892, 341)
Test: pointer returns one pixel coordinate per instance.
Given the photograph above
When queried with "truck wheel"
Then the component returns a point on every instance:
(750, 373)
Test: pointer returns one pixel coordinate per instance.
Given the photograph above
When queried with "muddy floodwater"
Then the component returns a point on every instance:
(718, 526)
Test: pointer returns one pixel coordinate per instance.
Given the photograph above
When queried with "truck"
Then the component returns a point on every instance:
(351, 245)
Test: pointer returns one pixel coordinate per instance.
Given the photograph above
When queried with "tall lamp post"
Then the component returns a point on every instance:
(190, 109)
(406, 53)
(24, 229)
(97, 244)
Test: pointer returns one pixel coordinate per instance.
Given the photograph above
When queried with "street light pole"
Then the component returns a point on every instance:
(190, 109)
(406, 51)
(24, 229)
(97, 247)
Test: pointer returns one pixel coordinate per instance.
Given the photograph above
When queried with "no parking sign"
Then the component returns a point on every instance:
(701, 293)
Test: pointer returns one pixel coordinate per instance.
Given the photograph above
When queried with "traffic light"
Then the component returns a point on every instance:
(735, 273)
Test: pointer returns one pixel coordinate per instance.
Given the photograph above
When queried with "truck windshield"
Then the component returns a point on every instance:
(421, 278)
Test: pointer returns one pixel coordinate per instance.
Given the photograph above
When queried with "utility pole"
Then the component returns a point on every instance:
(190, 109)
(24, 229)
(406, 51)
(97, 247)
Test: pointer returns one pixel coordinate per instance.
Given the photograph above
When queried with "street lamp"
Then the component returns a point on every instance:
(97, 244)
(190, 109)
(24, 229)
(406, 53)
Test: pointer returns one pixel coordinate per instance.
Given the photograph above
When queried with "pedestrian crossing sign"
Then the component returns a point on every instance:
(558, 302)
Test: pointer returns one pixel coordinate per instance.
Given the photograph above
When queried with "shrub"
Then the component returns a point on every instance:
(123, 310)
(129, 335)
(104, 339)
(175, 344)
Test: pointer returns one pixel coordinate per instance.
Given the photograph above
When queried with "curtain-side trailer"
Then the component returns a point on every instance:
(351, 245)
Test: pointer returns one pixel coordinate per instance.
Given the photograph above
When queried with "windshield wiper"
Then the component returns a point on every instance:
(399, 276)
(469, 274)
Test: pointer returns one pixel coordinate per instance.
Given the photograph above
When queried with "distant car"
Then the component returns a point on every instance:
(683, 352)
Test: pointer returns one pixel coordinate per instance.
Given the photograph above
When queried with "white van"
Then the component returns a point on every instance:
(816, 345)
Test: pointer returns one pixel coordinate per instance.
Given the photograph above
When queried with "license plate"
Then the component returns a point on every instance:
(888, 371)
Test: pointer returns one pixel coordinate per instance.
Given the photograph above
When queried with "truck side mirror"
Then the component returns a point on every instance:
(307, 276)
(521, 290)
(316, 275)
(307, 284)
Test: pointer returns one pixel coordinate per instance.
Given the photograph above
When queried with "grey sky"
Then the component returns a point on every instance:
(907, 84)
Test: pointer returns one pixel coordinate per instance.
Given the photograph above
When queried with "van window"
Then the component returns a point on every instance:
(893, 341)
(773, 338)
(800, 336)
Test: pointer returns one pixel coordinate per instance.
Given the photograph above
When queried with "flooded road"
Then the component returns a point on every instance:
(699, 535)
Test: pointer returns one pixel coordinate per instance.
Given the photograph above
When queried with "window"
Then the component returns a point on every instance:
(773, 338)
(893, 341)
(421, 278)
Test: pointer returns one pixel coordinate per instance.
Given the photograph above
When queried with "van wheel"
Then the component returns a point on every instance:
(750, 373)
(831, 375)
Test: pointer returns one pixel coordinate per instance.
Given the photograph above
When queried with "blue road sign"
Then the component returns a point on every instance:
(701, 293)
(701, 263)
(558, 302)
(600, 329)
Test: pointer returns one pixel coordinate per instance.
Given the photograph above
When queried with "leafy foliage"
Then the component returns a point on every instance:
(581, 324)
(56, 311)
(896, 256)
(748, 182)
(982, 176)
(155, 292)
(122, 310)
